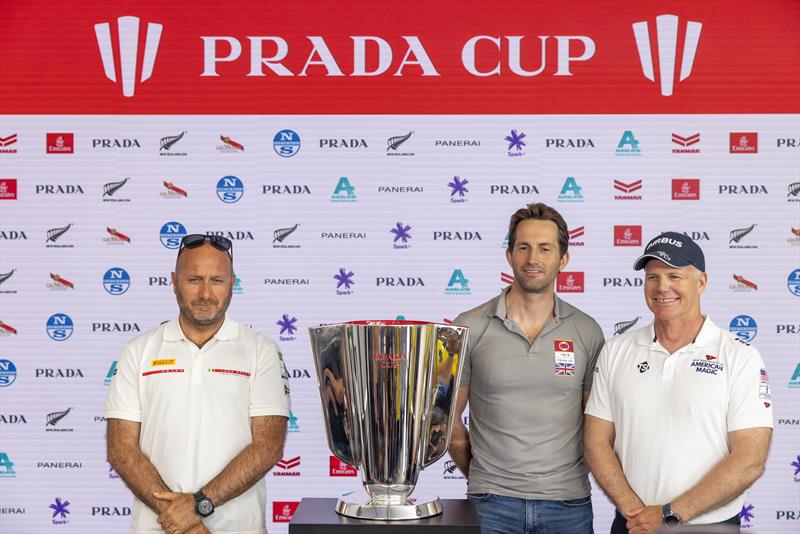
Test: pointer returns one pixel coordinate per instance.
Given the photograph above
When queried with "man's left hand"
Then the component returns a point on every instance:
(180, 516)
(645, 520)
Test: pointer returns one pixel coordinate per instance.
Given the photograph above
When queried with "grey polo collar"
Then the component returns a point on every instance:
(498, 309)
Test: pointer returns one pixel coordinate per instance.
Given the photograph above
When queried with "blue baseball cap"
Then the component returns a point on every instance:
(674, 249)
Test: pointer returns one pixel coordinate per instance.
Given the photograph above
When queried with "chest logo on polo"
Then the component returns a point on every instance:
(643, 367)
(234, 372)
(162, 362)
(564, 351)
(709, 365)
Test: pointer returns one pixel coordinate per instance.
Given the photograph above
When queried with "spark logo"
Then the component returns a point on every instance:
(506, 278)
(128, 50)
(667, 40)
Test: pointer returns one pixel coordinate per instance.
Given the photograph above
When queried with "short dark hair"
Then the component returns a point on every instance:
(540, 212)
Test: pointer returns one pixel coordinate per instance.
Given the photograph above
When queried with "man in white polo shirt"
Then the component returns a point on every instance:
(198, 407)
(679, 420)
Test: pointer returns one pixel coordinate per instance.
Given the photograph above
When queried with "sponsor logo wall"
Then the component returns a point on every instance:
(364, 216)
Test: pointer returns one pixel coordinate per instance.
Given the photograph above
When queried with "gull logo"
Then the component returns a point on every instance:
(667, 41)
(128, 50)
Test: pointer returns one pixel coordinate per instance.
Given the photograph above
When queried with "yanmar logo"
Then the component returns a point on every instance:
(128, 51)
(667, 40)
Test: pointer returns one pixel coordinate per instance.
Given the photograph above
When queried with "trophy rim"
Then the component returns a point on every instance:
(421, 508)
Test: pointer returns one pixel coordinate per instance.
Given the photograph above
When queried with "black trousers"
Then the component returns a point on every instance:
(618, 526)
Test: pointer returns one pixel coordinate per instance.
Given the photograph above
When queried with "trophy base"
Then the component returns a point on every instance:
(366, 509)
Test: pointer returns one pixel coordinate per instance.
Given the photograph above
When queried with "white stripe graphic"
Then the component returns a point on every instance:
(642, 36)
(150, 49)
(103, 34)
(667, 35)
(128, 44)
(690, 48)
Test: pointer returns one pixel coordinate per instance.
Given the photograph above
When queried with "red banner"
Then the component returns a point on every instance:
(147, 57)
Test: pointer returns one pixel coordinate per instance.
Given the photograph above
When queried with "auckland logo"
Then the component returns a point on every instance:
(128, 51)
(667, 41)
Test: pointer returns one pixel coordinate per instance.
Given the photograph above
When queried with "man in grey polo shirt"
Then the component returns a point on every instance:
(527, 373)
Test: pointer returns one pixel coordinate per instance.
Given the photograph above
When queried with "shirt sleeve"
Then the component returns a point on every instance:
(599, 404)
(123, 401)
(595, 346)
(269, 391)
(750, 402)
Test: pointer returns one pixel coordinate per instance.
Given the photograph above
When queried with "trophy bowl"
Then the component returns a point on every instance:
(388, 392)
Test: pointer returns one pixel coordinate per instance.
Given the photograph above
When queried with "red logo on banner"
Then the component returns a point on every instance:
(8, 189)
(685, 189)
(744, 142)
(341, 469)
(282, 511)
(574, 234)
(60, 143)
(506, 278)
(570, 282)
(628, 236)
(6, 141)
(288, 464)
(686, 143)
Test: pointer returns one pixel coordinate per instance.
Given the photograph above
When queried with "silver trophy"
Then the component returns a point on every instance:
(388, 391)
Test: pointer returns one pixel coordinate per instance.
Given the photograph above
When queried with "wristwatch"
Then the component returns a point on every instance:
(202, 504)
(671, 519)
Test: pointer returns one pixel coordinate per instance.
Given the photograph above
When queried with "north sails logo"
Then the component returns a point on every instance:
(128, 51)
(667, 38)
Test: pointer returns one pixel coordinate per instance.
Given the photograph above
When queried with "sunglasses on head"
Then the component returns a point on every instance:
(197, 240)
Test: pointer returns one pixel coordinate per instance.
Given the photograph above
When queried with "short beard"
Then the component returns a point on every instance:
(202, 324)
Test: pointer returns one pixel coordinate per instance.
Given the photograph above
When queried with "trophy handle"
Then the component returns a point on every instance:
(449, 343)
(327, 345)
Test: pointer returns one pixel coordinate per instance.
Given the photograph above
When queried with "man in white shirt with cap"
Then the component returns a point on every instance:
(197, 409)
(679, 420)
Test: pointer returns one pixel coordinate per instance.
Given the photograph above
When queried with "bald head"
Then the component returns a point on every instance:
(203, 284)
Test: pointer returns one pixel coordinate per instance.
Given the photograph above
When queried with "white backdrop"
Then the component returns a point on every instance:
(66, 460)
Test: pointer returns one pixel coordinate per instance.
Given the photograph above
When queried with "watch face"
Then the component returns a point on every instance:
(204, 507)
(672, 521)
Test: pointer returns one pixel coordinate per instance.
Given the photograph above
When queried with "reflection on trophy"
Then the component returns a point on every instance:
(388, 391)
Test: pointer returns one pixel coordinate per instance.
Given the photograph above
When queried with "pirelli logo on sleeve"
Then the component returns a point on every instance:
(162, 362)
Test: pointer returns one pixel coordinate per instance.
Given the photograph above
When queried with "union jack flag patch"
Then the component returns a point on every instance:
(565, 369)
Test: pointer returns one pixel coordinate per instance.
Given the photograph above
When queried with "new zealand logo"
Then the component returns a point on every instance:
(128, 51)
(623, 326)
(393, 143)
(112, 187)
(281, 234)
(666, 43)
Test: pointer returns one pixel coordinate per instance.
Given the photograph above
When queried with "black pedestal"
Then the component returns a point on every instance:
(318, 516)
